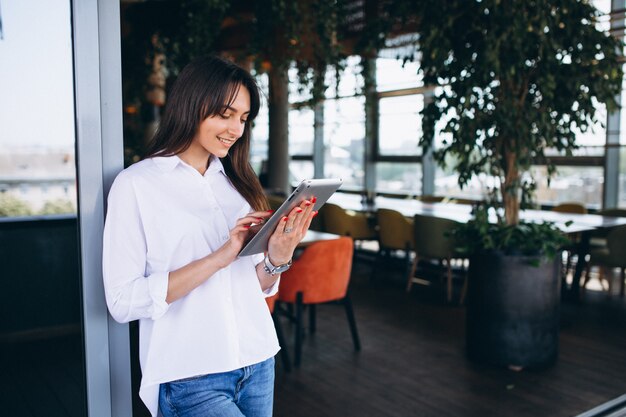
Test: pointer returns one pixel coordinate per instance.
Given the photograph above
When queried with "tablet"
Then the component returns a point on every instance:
(322, 189)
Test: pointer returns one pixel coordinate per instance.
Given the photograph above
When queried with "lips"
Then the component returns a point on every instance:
(227, 142)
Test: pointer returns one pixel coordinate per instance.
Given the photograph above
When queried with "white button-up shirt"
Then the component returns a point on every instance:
(162, 215)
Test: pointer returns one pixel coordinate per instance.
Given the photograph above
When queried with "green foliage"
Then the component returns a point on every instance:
(532, 239)
(516, 78)
(58, 206)
(11, 206)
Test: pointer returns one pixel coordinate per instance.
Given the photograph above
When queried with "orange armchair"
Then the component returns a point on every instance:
(320, 275)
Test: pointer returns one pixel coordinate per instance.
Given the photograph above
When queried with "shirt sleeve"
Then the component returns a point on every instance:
(257, 259)
(130, 293)
(273, 289)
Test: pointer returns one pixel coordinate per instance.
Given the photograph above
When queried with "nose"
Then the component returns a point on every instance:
(235, 127)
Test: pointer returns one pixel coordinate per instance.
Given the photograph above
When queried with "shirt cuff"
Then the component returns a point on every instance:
(157, 286)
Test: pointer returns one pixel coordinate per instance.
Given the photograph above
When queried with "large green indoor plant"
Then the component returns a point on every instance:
(514, 78)
(517, 78)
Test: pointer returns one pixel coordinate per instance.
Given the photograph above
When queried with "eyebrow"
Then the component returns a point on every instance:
(226, 107)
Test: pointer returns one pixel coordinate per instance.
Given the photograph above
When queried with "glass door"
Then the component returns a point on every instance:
(41, 339)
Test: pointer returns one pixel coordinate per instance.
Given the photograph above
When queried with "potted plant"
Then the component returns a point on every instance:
(514, 78)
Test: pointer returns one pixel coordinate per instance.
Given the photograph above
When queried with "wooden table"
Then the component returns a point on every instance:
(569, 223)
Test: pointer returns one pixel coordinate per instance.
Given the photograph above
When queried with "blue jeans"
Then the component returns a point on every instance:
(248, 391)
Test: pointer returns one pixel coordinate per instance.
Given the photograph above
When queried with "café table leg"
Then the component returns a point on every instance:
(581, 262)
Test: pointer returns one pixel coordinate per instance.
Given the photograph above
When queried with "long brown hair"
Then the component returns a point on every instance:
(202, 90)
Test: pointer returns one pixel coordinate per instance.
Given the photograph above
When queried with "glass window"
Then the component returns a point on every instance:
(400, 126)
(592, 141)
(301, 131)
(344, 133)
(296, 94)
(41, 320)
(392, 75)
(36, 147)
(403, 178)
(350, 79)
(300, 170)
(259, 138)
(577, 184)
(446, 184)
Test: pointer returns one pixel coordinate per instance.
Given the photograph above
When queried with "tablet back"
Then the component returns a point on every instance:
(322, 189)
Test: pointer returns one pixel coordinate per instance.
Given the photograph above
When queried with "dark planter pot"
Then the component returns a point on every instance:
(513, 311)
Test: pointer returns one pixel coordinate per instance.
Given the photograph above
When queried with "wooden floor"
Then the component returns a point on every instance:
(412, 363)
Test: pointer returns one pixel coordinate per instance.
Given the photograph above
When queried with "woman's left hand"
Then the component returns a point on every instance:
(289, 232)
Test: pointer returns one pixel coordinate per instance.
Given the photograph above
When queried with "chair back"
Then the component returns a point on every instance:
(339, 221)
(575, 208)
(431, 236)
(321, 274)
(275, 201)
(616, 242)
(430, 198)
(335, 219)
(394, 230)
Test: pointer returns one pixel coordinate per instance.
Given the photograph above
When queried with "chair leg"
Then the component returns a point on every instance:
(412, 273)
(407, 260)
(298, 344)
(587, 277)
(380, 256)
(347, 303)
(312, 318)
(449, 280)
(284, 354)
(464, 289)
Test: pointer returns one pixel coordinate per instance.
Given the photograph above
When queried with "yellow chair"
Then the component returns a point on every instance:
(609, 257)
(275, 201)
(343, 222)
(430, 198)
(395, 232)
(575, 208)
(432, 242)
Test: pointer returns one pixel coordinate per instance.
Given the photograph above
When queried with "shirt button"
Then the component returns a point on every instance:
(225, 238)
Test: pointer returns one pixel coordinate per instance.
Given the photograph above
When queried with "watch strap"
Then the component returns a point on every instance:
(275, 270)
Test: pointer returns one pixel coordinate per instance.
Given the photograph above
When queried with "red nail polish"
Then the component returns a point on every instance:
(308, 203)
(259, 218)
(298, 210)
(270, 211)
(285, 218)
(314, 213)
(314, 199)
(246, 226)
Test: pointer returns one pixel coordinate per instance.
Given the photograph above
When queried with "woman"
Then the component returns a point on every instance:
(175, 224)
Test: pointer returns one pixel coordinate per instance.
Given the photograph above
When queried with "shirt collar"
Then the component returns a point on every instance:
(168, 163)
(215, 165)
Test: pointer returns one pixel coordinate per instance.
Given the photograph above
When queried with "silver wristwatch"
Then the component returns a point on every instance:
(274, 270)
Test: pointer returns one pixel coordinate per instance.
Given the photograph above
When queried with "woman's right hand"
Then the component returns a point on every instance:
(239, 235)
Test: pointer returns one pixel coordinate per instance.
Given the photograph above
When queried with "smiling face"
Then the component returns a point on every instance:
(217, 134)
